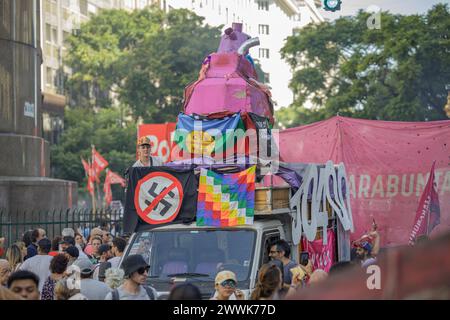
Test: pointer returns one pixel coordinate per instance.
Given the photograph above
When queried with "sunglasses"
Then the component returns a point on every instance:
(142, 270)
(228, 283)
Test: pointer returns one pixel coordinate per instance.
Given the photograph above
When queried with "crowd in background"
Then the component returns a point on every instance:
(70, 267)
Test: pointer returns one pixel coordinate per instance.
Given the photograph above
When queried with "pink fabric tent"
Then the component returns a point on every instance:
(228, 83)
(387, 164)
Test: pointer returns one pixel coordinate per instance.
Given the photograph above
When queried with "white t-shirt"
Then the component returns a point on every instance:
(368, 262)
(81, 253)
(115, 262)
(156, 162)
(94, 289)
(39, 265)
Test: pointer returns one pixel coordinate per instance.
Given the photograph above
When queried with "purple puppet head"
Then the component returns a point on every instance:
(232, 39)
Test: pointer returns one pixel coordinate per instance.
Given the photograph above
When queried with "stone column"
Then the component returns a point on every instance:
(24, 154)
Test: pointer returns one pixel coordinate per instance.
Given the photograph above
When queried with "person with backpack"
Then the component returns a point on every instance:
(134, 288)
(90, 288)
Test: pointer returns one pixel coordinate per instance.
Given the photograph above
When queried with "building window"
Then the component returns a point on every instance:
(266, 77)
(66, 35)
(84, 7)
(48, 33)
(263, 5)
(54, 35)
(49, 77)
(263, 29)
(264, 53)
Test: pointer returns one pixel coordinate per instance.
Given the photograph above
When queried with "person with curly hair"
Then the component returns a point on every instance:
(58, 266)
(15, 257)
(269, 283)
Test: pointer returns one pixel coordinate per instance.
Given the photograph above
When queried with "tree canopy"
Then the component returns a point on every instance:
(144, 57)
(397, 72)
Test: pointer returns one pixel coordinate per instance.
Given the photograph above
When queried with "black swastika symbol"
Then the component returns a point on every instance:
(164, 203)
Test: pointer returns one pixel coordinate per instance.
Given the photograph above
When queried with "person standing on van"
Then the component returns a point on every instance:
(144, 153)
(136, 273)
(280, 250)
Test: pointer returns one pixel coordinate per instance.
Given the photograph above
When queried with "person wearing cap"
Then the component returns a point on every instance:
(92, 289)
(104, 251)
(364, 253)
(134, 288)
(72, 253)
(144, 154)
(226, 287)
(66, 242)
(68, 232)
(40, 264)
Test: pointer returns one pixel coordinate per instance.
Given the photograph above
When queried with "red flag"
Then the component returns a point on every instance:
(111, 178)
(114, 178)
(107, 189)
(98, 163)
(90, 183)
(428, 213)
(86, 166)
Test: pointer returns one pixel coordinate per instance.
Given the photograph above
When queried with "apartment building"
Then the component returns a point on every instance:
(60, 19)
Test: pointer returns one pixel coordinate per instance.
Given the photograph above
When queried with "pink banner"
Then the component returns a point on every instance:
(321, 256)
(387, 166)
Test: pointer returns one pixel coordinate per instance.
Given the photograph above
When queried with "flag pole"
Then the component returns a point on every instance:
(93, 190)
(432, 187)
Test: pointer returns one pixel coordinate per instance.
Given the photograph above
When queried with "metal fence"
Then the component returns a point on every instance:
(14, 224)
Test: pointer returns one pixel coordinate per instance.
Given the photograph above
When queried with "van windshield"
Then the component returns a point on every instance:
(196, 254)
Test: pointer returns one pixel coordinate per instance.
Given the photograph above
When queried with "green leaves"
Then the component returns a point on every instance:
(397, 72)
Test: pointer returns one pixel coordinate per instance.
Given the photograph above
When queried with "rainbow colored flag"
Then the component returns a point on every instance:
(226, 200)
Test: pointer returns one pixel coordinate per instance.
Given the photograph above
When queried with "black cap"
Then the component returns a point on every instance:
(68, 240)
(45, 244)
(132, 263)
(72, 251)
(103, 248)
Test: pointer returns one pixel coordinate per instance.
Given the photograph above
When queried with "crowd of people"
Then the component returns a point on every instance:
(71, 267)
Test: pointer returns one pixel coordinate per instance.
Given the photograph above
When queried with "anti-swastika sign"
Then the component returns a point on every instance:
(158, 197)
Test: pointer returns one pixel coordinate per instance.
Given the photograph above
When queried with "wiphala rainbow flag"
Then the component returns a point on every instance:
(226, 199)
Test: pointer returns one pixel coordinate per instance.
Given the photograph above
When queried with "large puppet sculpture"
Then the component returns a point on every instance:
(228, 80)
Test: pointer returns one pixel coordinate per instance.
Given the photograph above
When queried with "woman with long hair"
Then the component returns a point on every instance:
(269, 283)
(79, 241)
(14, 255)
(23, 248)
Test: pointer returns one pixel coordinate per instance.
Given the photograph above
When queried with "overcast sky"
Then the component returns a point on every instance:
(350, 7)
